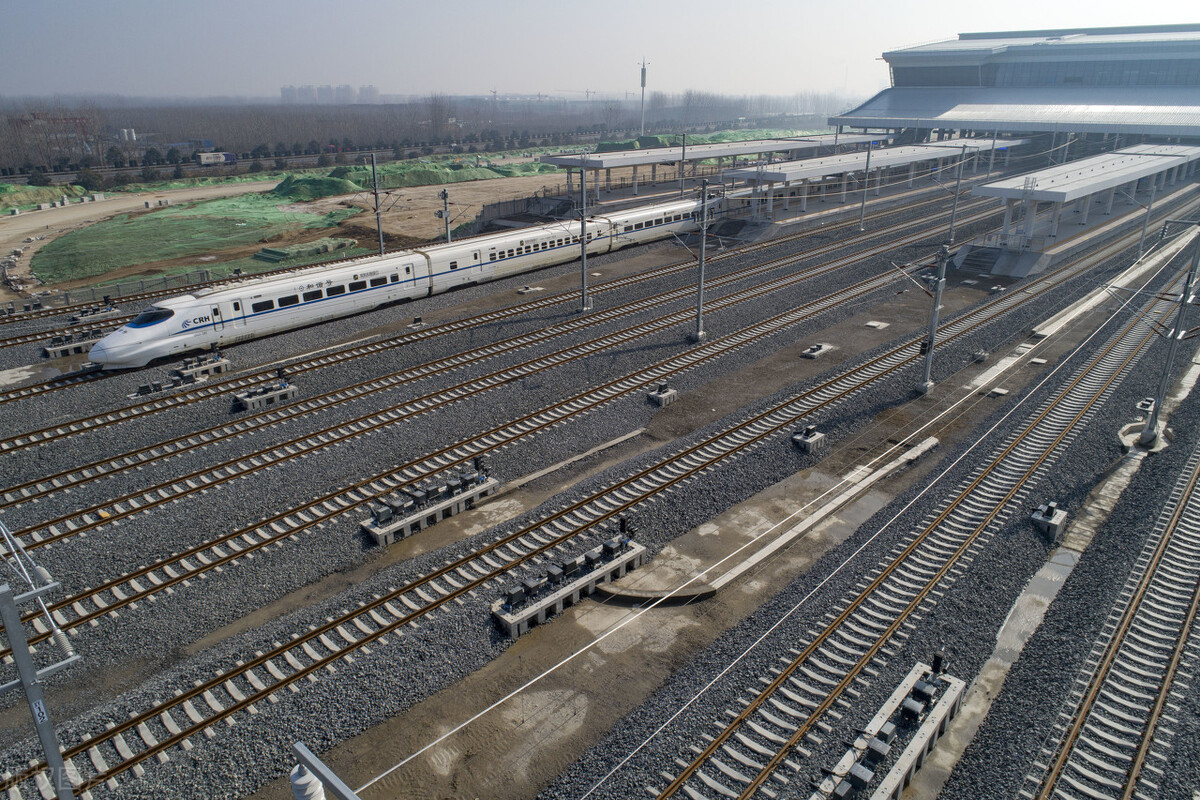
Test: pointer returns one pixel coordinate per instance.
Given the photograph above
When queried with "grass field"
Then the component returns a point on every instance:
(24, 197)
(174, 232)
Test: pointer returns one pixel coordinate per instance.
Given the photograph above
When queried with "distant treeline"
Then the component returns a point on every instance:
(57, 136)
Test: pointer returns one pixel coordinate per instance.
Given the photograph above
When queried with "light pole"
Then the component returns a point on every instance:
(926, 383)
(1150, 432)
(585, 304)
(29, 677)
(698, 336)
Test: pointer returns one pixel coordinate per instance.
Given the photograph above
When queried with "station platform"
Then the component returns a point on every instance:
(787, 148)
(1051, 213)
(875, 166)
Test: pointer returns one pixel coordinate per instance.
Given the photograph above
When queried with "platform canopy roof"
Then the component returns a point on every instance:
(700, 152)
(1088, 176)
(1151, 110)
(856, 162)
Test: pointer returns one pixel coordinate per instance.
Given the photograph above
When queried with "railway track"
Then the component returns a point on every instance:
(251, 683)
(764, 741)
(146, 581)
(47, 485)
(1108, 741)
(27, 316)
(215, 388)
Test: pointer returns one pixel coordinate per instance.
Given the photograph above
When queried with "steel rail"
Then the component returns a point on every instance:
(130, 591)
(556, 529)
(78, 475)
(350, 352)
(633, 489)
(1188, 502)
(919, 596)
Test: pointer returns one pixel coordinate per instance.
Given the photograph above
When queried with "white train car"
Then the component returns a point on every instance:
(259, 307)
(253, 308)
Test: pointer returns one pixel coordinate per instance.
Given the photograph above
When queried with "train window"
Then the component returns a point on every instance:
(330, 291)
(510, 253)
(357, 286)
(237, 306)
(560, 242)
(216, 311)
(378, 281)
(151, 316)
(395, 278)
(528, 248)
(491, 256)
(290, 300)
(408, 269)
(310, 296)
(628, 228)
(265, 305)
(453, 265)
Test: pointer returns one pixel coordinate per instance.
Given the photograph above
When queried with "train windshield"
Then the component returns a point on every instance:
(151, 316)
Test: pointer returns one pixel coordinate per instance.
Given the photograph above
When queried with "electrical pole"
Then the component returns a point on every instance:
(29, 676)
(378, 217)
(926, 383)
(862, 210)
(698, 336)
(445, 213)
(585, 304)
(1150, 432)
(643, 96)
(957, 185)
(992, 159)
(1146, 219)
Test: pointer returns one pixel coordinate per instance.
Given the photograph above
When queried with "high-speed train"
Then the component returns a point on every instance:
(248, 309)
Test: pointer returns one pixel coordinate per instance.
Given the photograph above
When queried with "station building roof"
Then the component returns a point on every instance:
(700, 152)
(1058, 43)
(855, 162)
(1152, 110)
(1088, 176)
(1131, 80)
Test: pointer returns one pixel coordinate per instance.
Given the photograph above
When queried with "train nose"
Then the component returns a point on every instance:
(108, 354)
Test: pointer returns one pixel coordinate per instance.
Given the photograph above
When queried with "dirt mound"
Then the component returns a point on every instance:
(311, 187)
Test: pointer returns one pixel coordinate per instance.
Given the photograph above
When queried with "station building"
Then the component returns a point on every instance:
(1139, 83)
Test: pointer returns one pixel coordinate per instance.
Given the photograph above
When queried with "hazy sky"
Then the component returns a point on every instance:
(252, 47)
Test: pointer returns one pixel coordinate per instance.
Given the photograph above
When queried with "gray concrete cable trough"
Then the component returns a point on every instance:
(857, 481)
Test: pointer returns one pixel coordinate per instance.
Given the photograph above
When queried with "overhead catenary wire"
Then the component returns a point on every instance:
(635, 615)
(839, 568)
